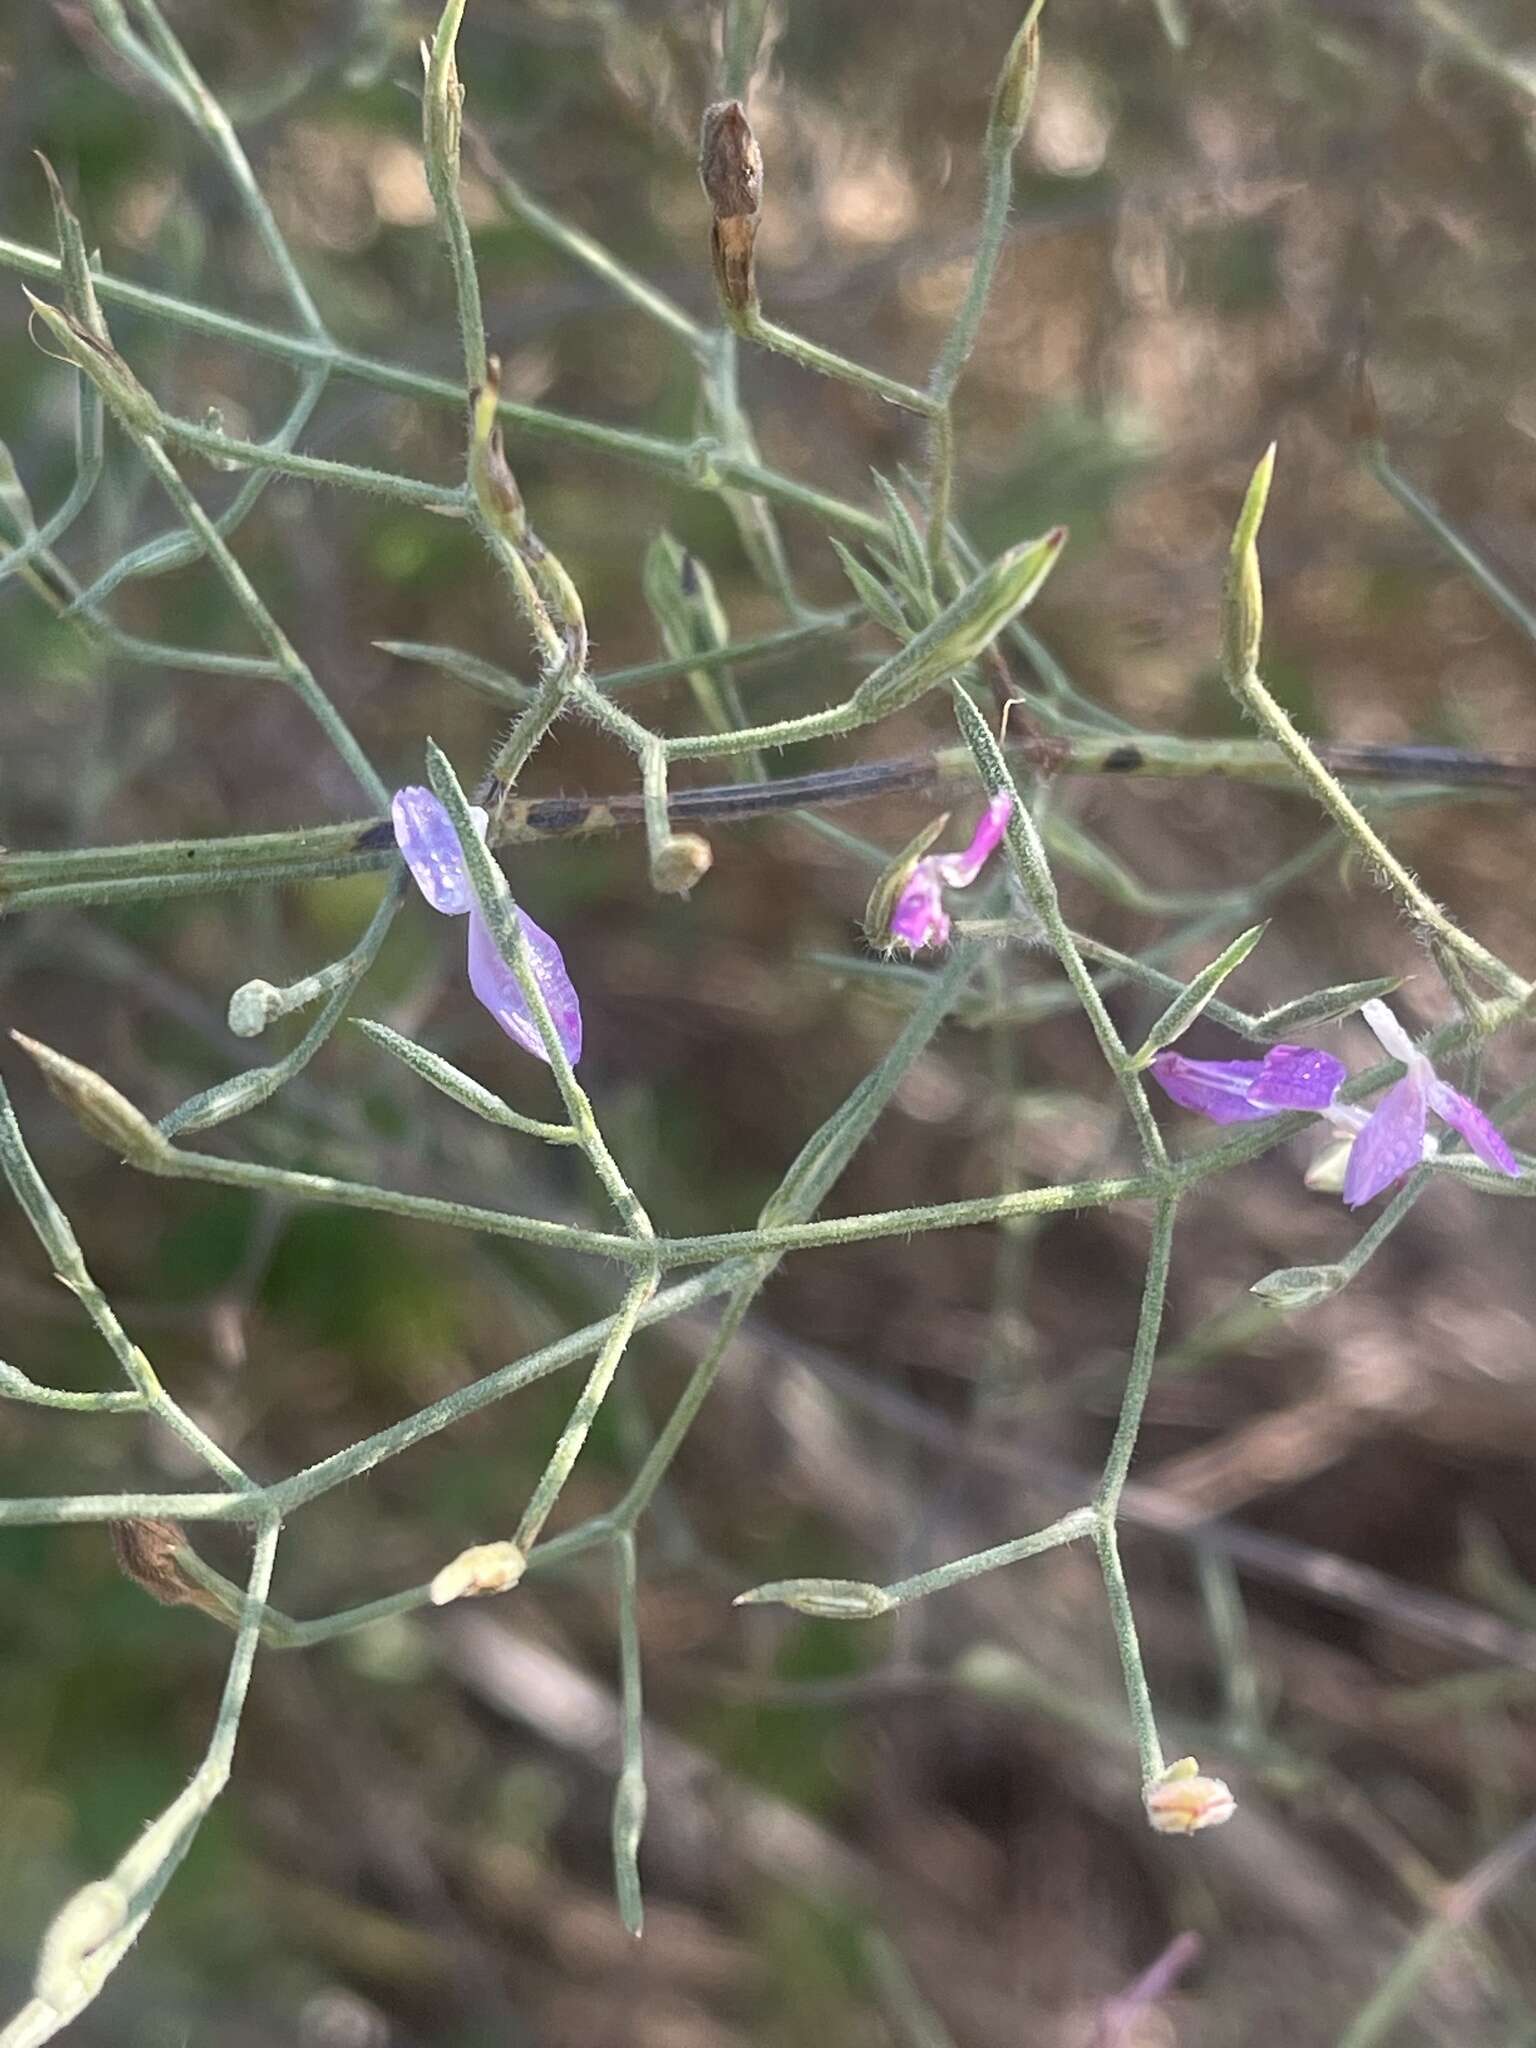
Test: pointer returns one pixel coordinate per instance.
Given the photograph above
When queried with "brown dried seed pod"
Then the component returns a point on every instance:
(730, 162)
(147, 1552)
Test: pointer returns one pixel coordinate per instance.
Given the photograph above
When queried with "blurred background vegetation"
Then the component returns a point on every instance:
(922, 1831)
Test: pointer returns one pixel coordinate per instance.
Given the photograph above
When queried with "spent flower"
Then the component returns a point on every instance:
(432, 853)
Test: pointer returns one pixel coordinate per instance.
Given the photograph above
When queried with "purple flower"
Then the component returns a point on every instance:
(433, 855)
(1384, 1143)
(496, 985)
(1393, 1139)
(1240, 1091)
(919, 918)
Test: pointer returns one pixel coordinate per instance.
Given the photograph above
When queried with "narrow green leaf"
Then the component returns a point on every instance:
(871, 592)
(1279, 1026)
(1185, 1008)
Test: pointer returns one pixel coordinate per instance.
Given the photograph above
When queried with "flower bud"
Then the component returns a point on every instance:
(99, 361)
(490, 474)
(75, 263)
(252, 1008)
(1182, 1800)
(965, 627)
(1293, 1287)
(827, 1599)
(679, 862)
(83, 1925)
(442, 99)
(483, 1568)
(731, 171)
(681, 595)
(149, 1551)
(96, 1104)
(1015, 91)
(1242, 604)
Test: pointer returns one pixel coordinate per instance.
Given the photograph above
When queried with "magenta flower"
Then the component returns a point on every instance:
(919, 918)
(433, 855)
(1394, 1138)
(1239, 1091)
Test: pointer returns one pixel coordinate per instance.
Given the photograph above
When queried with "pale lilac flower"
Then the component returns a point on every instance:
(1393, 1139)
(919, 918)
(433, 855)
(1240, 1091)
(424, 835)
(496, 985)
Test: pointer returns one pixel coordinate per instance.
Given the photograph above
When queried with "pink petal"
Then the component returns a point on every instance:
(961, 869)
(1219, 1089)
(1392, 1142)
(919, 918)
(1469, 1122)
(496, 986)
(424, 835)
(1297, 1077)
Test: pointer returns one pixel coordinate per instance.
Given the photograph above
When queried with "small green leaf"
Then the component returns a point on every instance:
(871, 592)
(1185, 1008)
(1277, 1027)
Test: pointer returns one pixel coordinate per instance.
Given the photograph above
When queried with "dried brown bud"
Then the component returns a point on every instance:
(679, 862)
(1183, 1800)
(149, 1553)
(731, 169)
(483, 1568)
(730, 162)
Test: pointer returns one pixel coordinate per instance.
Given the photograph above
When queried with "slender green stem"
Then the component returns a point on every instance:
(1069, 1529)
(1027, 855)
(1123, 1621)
(1148, 1328)
(578, 1425)
(1460, 551)
(94, 1930)
(753, 327)
(706, 466)
(53, 1231)
(629, 1794)
(294, 670)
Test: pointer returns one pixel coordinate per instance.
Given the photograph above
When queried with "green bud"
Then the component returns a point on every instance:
(96, 1104)
(99, 361)
(490, 474)
(827, 1599)
(1300, 1286)
(682, 598)
(79, 285)
(442, 100)
(963, 629)
(1242, 604)
(1014, 94)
